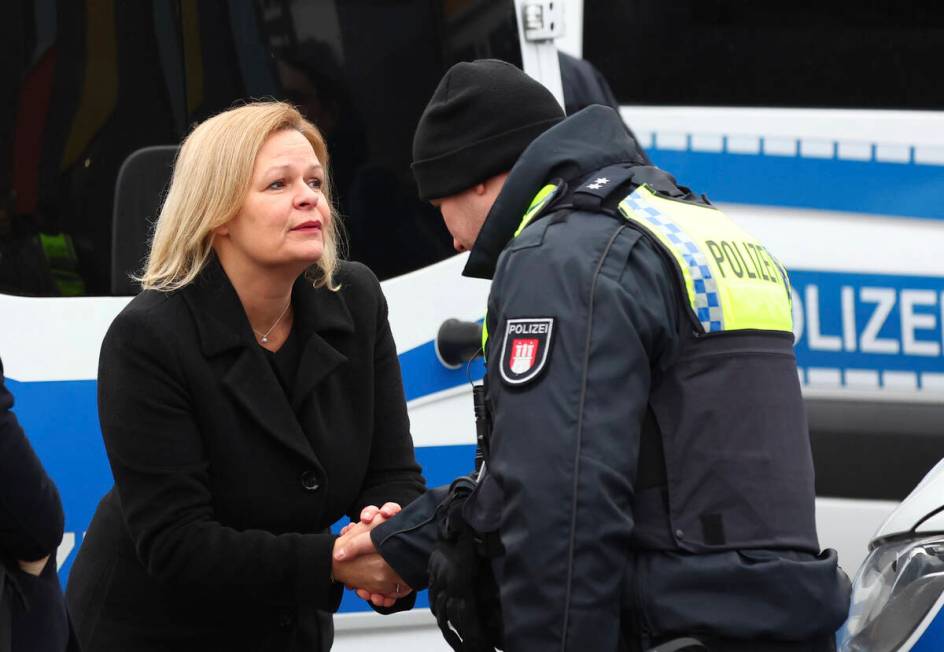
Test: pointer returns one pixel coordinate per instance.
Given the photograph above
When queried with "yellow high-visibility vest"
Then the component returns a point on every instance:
(733, 282)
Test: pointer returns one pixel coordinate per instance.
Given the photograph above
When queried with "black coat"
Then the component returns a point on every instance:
(215, 535)
(31, 523)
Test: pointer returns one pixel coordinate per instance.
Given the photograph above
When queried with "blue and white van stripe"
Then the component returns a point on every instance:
(862, 161)
(870, 332)
(783, 173)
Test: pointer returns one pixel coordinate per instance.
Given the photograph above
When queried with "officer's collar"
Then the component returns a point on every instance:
(586, 141)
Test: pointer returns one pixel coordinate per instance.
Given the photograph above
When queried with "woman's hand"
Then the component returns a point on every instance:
(356, 564)
(369, 513)
(380, 600)
(33, 567)
(371, 577)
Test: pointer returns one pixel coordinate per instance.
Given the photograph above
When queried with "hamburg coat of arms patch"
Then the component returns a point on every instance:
(525, 349)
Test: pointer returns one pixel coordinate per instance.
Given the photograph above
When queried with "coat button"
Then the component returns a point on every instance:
(286, 620)
(309, 480)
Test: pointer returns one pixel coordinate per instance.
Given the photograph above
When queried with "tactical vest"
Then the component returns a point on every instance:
(725, 460)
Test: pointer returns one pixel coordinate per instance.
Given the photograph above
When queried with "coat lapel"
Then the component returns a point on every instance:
(320, 316)
(225, 334)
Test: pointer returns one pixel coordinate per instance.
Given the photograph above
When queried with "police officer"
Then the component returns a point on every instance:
(649, 479)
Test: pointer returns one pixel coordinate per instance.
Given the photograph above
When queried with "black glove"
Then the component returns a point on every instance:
(452, 595)
(462, 591)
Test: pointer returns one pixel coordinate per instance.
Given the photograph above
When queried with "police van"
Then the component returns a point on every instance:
(841, 176)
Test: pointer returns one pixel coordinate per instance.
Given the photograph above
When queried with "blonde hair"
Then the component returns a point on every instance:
(212, 176)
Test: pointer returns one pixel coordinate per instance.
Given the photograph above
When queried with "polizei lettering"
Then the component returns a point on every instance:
(869, 331)
(868, 319)
(529, 328)
(744, 259)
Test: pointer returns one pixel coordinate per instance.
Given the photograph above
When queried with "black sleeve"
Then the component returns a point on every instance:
(161, 472)
(565, 445)
(393, 474)
(31, 518)
(406, 541)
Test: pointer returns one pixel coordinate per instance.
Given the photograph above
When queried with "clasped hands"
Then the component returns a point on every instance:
(356, 564)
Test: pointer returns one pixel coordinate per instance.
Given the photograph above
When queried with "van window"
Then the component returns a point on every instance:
(808, 53)
(86, 87)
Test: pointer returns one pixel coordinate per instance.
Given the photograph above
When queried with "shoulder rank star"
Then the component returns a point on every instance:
(598, 183)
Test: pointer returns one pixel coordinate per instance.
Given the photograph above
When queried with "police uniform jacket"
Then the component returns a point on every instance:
(587, 564)
(215, 536)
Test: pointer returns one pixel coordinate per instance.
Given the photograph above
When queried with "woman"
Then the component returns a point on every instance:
(249, 398)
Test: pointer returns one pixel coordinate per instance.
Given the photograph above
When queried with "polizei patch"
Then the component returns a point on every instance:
(525, 349)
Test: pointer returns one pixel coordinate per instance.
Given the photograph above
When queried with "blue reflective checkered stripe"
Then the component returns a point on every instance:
(707, 301)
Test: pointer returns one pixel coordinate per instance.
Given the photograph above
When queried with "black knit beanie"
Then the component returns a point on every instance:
(482, 116)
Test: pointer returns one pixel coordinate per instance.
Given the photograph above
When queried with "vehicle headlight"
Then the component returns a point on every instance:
(893, 595)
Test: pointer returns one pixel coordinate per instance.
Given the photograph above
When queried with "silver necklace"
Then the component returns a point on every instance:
(264, 337)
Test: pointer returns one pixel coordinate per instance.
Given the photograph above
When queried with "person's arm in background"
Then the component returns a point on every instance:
(583, 84)
(31, 518)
